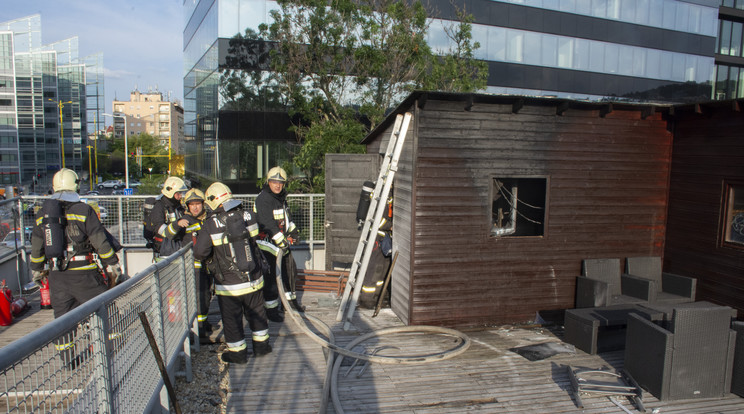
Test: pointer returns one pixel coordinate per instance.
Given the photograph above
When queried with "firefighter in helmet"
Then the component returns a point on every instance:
(190, 224)
(165, 213)
(277, 231)
(226, 243)
(70, 240)
(379, 261)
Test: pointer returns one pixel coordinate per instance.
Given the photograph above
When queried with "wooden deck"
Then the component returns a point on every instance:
(487, 378)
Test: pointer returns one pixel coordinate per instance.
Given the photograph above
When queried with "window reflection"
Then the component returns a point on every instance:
(672, 14)
(540, 49)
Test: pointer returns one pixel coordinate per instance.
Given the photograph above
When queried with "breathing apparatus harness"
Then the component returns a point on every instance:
(241, 254)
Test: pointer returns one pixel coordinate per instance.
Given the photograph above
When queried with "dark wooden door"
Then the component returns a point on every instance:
(345, 174)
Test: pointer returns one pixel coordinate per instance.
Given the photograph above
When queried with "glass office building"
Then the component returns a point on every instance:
(640, 50)
(729, 81)
(47, 98)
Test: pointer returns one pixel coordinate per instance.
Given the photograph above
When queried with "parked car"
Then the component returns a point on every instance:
(13, 238)
(118, 192)
(134, 183)
(94, 192)
(115, 184)
(103, 211)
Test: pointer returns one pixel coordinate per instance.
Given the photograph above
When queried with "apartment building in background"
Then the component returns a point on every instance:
(148, 112)
(49, 98)
(634, 50)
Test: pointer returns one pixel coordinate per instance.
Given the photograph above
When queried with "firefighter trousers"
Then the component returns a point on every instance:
(204, 280)
(68, 290)
(233, 308)
(289, 277)
(374, 278)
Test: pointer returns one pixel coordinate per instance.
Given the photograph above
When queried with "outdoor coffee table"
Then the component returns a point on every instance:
(603, 328)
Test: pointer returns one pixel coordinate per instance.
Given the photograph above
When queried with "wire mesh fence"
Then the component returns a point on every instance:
(97, 357)
(123, 215)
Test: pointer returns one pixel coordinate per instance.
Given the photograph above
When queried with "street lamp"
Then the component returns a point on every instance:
(126, 147)
(61, 105)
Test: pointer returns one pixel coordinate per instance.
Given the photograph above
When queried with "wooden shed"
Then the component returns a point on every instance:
(705, 226)
(581, 180)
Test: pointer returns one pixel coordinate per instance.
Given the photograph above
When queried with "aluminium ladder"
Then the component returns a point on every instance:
(374, 216)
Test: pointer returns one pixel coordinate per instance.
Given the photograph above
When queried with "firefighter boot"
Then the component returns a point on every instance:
(274, 315)
(236, 357)
(261, 348)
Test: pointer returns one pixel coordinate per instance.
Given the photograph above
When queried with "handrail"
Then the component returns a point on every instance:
(115, 368)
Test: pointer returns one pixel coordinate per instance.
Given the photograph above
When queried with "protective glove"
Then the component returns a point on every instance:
(114, 273)
(38, 276)
(284, 247)
(291, 240)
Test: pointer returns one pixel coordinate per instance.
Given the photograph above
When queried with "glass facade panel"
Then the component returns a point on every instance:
(668, 14)
(736, 31)
(724, 39)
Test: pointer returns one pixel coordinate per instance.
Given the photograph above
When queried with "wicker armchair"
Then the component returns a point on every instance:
(603, 284)
(737, 379)
(670, 288)
(691, 357)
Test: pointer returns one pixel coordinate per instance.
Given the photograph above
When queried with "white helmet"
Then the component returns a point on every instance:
(65, 180)
(217, 194)
(172, 186)
(277, 174)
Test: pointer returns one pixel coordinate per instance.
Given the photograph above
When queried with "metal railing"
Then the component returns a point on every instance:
(122, 215)
(110, 368)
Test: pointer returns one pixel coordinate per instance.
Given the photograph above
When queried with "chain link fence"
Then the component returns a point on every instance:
(97, 358)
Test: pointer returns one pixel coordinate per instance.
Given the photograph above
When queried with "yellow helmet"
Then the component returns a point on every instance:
(217, 194)
(194, 194)
(172, 186)
(65, 180)
(277, 174)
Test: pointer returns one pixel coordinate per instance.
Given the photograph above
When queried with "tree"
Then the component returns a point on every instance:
(150, 145)
(341, 66)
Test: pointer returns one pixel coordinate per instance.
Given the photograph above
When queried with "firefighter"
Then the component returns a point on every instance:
(379, 261)
(165, 213)
(190, 224)
(277, 231)
(79, 240)
(226, 243)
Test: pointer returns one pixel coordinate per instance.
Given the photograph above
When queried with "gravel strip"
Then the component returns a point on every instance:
(207, 392)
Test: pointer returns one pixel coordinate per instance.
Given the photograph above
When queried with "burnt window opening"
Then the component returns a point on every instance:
(518, 206)
(733, 214)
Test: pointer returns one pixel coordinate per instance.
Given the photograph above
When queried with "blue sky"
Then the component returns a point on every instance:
(141, 40)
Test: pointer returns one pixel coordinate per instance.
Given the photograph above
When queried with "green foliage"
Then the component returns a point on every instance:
(341, 66)
(154, 154)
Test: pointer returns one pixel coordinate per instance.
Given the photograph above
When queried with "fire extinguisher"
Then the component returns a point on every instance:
(18, 306)
(173, 306)
(6, 314)
(46, 299)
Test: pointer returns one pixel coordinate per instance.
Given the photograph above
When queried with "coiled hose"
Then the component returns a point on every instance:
(331, 379)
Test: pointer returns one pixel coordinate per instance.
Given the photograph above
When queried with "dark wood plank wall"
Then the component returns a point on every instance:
(708, 149)
(608, 180)
(402, 218)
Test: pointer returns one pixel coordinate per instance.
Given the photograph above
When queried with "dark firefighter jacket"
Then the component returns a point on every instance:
(165, 213)
(85, 235)
(273, 216)
(192, 231)
(213, 247)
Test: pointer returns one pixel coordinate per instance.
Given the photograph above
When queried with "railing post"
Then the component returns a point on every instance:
(160, 336)
(311, 234)
(102, 351)
(186, 310)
